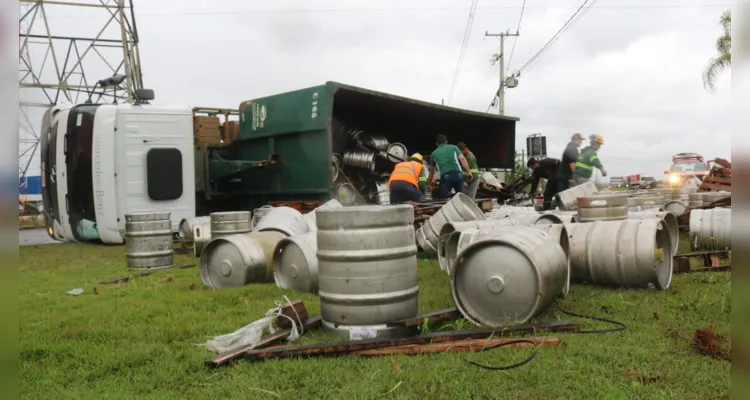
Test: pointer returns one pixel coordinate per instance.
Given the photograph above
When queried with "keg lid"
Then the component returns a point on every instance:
(223, 265)
(493, 293)
(295, 263)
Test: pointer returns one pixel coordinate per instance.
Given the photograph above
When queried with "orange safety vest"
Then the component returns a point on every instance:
(406, 171)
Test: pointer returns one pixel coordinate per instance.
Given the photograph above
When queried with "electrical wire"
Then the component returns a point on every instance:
(586, 4)
(395, 9)
(515, 39)
(464, 46)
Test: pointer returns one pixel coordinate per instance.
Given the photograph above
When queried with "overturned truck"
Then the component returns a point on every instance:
(313, 144)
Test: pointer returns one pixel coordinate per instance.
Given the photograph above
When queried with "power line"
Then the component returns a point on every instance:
(401, 9)
(464, 46)
(557, 35)
(515, 39)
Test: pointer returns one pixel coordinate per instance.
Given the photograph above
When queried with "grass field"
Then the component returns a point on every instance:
(136, 340)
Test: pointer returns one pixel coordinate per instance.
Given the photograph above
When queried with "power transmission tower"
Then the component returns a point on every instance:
(58, 64)
(511, 82)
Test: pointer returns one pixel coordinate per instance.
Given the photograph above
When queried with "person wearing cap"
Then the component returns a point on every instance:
(408, 181)
(568, 163)
(545, 168)
(471, 184)
(588, 160)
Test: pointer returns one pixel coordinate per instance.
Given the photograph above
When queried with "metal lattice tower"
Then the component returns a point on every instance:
(65, 49)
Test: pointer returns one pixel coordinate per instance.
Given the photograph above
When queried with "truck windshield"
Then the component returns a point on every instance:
(78, 152)
(48, 142)
(696, 166)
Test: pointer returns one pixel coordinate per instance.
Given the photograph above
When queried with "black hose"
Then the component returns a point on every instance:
(620, 325)
(505, 368)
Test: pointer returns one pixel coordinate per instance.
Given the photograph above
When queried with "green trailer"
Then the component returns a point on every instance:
(287, 141)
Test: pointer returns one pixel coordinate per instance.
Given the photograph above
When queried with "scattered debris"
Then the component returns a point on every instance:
(460, 346)
(448, 314)
(130, 277)
(96, 292)
(75, 292)
(358, 346)
(395, 365)
(167, 279)
(705, 342)
(656, 316)
(191, 286)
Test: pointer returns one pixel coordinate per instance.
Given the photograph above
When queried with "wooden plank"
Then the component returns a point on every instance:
(226, 358)
(448, 314)
(458, 346)
(317, 350)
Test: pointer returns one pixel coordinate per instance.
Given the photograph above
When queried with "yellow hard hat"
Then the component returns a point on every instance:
(597, 139)
(416, 156)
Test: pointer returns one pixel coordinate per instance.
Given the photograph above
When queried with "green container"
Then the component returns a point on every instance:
(303, 128)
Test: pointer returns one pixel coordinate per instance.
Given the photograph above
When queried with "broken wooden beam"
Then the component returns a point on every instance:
(295, 311)
(236, 354)
(449, 314)
(316, 350)
(459, 346)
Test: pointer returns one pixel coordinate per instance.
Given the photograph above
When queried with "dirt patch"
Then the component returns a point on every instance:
(706, 341)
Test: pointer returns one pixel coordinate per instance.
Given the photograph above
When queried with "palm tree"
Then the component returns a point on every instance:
(723, 60)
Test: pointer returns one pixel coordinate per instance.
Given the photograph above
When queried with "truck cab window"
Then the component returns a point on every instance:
(164, 173)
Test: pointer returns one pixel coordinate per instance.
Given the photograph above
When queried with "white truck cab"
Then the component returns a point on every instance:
(116, 159)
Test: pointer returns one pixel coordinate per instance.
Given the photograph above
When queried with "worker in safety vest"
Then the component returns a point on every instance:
(588, 160)
(472, 183)
(568, 163)
(408, 181)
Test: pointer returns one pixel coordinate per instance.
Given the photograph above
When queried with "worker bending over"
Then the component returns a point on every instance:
(568, 163)
(588, 160)
(472, 184)
(408, 181)
(545, 168)
(448, 161)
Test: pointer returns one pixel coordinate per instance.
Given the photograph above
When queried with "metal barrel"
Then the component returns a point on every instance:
(670, 223)
(711, 229)
(148, 240)
(310, 217)
(459, 208)
(186, 227)
(508, 277)
(201, 237)
(629, 253)
(507, 211)
(258, 214)
(710, 197)
(376, 141)
(360, 159)
(237, 260)
(230, 223)
(397, 152)
(462, 238)
(345, 193)
(683, 193)
(565, 216)
(567, 199)
(649, 201)
(295, 265)
(446, 253)
(609, 207)
(384, 193)
(536, 219)
(676, 207)
(695, 199)
(367, 265)
(336, 163)
(283, 219)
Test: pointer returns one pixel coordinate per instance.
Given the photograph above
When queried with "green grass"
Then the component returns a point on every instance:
(136, 340)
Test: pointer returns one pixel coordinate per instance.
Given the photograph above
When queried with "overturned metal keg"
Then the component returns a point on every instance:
(625, 253)
(601, 207)
(567, 200)
(295, 265)
(230, 223)
(508, 277)
(669, 220)
(283, 219)
(238, 260)
(711, 229)
(459, 208)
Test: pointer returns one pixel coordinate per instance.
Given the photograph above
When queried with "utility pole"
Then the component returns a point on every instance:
(501, 61)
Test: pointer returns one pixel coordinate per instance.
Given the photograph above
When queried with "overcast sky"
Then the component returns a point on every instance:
(628, 70)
